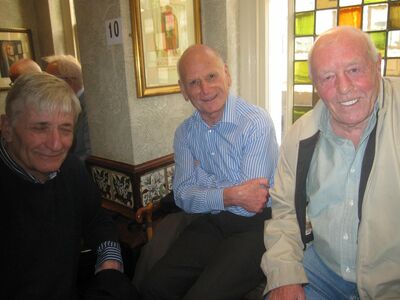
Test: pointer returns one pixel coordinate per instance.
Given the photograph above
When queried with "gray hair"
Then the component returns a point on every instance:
(42, 91)
(68, 66)
(370, 46)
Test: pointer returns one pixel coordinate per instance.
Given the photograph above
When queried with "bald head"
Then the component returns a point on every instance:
(195, 52)
(23, 66)
(340, 37)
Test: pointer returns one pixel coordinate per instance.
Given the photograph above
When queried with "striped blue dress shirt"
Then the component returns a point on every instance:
(240, 147)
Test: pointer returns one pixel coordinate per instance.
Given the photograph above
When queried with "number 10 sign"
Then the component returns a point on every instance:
(114, 31)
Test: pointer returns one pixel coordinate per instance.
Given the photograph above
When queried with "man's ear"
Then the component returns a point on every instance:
(183, 92)
(6, 128)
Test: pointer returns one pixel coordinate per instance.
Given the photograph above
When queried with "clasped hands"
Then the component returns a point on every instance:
(252, 195)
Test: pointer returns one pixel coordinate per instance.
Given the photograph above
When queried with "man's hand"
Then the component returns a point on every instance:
(287, 292)
(251, 195)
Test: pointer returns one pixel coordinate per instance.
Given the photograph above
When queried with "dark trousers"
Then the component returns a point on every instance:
(216, 257)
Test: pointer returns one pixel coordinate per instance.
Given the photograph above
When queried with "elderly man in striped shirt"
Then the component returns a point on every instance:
(225, 155)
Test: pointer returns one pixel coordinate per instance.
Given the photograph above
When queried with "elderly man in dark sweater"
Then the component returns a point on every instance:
(49, 202)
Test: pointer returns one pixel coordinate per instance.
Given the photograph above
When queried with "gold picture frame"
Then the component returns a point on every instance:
(15, 43)
(161, 31)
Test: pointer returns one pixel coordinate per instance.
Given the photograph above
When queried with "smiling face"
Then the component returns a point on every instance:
(39, 140)
(205, 81)
(347, 78)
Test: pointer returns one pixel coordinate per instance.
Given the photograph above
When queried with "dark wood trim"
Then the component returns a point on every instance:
(139, 169)
(154, 164)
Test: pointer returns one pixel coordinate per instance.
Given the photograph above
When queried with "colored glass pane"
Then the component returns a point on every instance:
(373, 1)
(301, 72)
(303, 95)
(326, 4)
(379, 39)
(393, 67)
(393, 49)
(304, 5)
(349, 2)
(298, 111)
(301, 47)
(324, 20)
(304, 23)
(350, 16)
(375, 17)
(394, 16)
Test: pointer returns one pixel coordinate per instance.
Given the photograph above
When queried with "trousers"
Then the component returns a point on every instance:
(217, 256)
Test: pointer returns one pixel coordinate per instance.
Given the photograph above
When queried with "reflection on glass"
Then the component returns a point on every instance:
(350, 16)
(394, 16)
(304, 5)
(303, 95)
(393, 43)
(301, 47)
(393, 67)
(349, 2)
(375, 17)
(326, 4)
(325, 19)
(379, 39)
(301, 72)
(304, 23)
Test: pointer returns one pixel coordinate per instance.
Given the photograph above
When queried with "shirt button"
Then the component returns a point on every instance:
(351, 202)
(352, 170)
(212, 153)
(209, 130)
(345, 236)
(347, 270)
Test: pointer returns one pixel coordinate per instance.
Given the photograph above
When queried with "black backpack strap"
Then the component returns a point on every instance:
(306, 150)
(366, 168)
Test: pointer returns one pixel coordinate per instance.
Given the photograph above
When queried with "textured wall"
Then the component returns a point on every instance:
(122, 126)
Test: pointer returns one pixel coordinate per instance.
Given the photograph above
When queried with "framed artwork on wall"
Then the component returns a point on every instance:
(14, 45)
(161, 31)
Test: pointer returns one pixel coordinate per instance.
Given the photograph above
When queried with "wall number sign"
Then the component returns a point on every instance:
(114, 31)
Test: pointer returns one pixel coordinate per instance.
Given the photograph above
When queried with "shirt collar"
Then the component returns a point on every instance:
(229, 115)
(16, 168)
(325, 126)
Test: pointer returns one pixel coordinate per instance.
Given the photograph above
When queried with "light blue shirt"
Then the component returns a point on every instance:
(332, 191)
(240, 147)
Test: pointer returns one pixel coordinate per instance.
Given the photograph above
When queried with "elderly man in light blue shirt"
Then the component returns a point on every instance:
(225, 156)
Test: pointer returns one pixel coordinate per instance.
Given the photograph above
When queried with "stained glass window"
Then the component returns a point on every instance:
(379, 18)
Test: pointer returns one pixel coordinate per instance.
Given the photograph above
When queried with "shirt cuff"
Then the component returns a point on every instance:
(108, 250)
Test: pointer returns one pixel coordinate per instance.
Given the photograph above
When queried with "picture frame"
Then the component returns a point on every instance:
(15, 43)
(161, 31)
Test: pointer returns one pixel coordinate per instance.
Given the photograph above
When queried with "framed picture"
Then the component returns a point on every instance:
(14, 45)
(162, 30)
